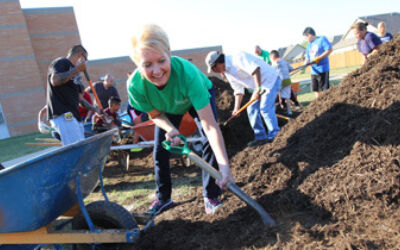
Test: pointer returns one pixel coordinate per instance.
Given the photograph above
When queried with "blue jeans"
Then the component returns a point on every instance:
(161, 159)
(265, 109)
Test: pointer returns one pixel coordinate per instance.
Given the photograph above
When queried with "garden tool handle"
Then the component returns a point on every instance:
(266, 218)
(93, 90)
(249, 103)
(243, 108)
(284, 117)
(295, 70)
(182, 150)
(205, 166)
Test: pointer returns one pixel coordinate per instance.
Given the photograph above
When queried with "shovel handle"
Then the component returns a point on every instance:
(185, 150)
(295, 70)
(243, 108)
(266, 218)
(284, 117)
(93, 90)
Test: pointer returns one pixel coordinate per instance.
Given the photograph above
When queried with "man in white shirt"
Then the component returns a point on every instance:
(244, 70)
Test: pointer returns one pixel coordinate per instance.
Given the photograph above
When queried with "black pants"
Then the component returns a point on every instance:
(161, 159)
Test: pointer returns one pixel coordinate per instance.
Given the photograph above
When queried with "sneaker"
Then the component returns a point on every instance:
(257, 142)
(157, 206)
(212, 204)
(298, 108)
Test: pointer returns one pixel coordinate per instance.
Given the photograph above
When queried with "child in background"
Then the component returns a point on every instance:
(283, 68)
(109, 119)
(85, 112)
(137, 117)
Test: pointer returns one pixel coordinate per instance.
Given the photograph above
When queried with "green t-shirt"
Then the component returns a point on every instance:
(265, 56)
(187, 86)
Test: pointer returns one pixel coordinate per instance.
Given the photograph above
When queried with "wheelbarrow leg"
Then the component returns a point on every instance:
(83, 208)
(101, 184)
(82, 205)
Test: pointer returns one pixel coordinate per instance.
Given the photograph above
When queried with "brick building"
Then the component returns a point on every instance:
(30, 39)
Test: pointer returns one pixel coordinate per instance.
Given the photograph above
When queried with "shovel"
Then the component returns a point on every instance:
(295, 70)
(185, 150)
(93, 90)
(241, 109)
(284, 117)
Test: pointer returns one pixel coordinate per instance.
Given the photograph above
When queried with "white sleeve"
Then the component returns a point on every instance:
(246, 62)
(237, 88)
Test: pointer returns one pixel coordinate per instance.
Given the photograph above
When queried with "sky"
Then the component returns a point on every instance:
(106, 26)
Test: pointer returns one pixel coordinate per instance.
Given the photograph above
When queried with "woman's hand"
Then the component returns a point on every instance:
(226, 177)
(173, 138)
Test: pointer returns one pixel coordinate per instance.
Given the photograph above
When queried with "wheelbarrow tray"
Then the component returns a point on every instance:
(35, 192)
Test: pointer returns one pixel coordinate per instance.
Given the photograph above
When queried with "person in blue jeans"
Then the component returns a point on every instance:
(244, 70)
(166, 87)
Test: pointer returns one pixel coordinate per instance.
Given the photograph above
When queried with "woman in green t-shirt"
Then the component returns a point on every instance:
(166, 87)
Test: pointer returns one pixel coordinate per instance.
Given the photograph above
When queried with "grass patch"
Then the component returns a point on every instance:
(306, 75)
(306, 96)
(15, 147)
(138, 194)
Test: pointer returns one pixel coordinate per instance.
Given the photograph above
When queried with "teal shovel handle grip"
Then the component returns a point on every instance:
(184, 150)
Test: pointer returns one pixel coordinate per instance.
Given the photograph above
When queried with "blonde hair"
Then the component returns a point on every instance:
(381, 24)
(150, 37)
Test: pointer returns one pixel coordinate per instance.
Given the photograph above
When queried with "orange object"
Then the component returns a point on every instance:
(188, 125)
(146, 129)
(296, 87)
(93, 90)
(242, 108)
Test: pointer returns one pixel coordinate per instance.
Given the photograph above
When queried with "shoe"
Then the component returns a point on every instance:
(258, 142)
(298, 108)
(157, 206)
(212, 204)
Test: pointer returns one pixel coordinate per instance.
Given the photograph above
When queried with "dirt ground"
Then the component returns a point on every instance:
(331, 178)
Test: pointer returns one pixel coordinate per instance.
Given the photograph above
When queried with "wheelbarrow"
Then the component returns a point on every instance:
(189, 127)
(36, 192)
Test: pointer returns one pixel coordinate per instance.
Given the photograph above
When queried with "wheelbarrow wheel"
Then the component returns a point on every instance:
(105, 215)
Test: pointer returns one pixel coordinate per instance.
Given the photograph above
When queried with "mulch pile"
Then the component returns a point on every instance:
(331, 178)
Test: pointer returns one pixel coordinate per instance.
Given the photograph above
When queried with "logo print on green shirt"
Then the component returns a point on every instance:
(182, 102)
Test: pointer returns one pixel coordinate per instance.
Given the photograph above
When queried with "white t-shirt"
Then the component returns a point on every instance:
(240, 67)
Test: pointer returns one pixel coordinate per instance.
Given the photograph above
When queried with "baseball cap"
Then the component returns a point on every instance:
(211, 58)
